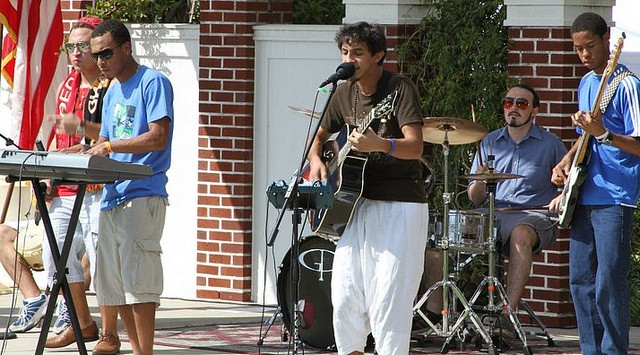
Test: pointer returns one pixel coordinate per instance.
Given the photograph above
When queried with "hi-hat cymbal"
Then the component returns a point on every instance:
(490, 175)
(305, 111)
(457, 130)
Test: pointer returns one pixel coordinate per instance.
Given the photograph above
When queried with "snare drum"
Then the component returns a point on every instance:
(468, 230)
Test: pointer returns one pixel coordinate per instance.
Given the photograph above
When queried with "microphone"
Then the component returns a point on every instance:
(343, 72)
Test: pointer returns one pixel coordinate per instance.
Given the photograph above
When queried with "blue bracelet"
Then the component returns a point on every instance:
(393, 147)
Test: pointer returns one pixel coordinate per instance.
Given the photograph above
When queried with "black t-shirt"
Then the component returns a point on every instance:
(385, 177)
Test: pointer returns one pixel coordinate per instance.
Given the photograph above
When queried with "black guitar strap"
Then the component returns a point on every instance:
(381, 93)
(612, 87)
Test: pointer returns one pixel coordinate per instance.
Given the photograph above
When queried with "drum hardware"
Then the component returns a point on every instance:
(491, 176)
(292, 201)
(436, 130)
(491, 281)
(269, 323)
(452, 130)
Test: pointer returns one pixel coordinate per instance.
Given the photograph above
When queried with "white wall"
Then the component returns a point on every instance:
(174, 51)
(625, 14)
(291, 61)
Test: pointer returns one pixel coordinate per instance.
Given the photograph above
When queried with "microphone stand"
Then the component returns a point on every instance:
(291, 200)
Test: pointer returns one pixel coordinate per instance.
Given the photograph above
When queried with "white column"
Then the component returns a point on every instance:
(556, 13)
(384, 12)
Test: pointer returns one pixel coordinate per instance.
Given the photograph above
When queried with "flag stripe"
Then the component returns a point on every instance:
(39, 34)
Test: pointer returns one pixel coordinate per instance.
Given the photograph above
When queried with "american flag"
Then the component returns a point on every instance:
(35, 26)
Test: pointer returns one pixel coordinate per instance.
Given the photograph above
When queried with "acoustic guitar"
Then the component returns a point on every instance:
(346, 176)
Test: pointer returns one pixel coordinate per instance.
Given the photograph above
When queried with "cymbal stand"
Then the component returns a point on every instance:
(446, 282)
(492, 282)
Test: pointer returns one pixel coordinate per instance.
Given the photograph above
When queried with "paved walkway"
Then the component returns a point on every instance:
(172, 314)
(177, 318)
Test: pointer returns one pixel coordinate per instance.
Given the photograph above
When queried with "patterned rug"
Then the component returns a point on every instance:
(244, 338)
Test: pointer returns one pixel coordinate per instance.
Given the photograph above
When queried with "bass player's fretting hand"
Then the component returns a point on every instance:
(588, 123)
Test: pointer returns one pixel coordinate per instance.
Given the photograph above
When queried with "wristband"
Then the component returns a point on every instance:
(108, 145)
(393, 147)
(601, 137)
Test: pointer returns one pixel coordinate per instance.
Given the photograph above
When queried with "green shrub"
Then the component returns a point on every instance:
(147, 11)
(318, 12)
(458, 58)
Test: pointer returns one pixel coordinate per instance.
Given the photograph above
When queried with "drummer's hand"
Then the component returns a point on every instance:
(554, 205)
(481, 169)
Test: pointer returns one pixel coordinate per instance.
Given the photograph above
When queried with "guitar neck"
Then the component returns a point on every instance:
(581, 151)
(596, 112)
(346, 149)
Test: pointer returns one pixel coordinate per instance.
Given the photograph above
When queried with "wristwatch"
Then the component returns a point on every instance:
(607, 140)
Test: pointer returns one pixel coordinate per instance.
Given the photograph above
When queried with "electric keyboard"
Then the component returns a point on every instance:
(79, 168)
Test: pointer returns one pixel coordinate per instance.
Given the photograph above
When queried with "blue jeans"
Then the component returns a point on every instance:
(599, 257)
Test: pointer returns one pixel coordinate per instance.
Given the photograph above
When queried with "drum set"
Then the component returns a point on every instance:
(453, 232)
(470, 233)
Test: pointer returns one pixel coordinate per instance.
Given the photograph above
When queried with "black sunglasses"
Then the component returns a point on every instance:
(521, 103)
(105, 54)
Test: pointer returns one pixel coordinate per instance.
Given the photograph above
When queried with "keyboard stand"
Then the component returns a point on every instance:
(60, 259)
(64, 169)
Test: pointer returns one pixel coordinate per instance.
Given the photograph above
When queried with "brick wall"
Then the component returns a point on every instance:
(73, 10)
(544, 58)
(226, 143)
(396, 35)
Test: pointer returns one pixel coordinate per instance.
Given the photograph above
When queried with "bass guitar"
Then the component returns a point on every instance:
(577, 174)
(346, 176)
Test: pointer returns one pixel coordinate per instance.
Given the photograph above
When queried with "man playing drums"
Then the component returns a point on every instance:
(526, 149)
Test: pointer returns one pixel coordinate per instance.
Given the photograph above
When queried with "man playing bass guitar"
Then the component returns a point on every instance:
(379, 258)
(601, 225)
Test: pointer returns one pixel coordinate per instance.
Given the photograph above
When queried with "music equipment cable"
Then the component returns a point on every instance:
(271, 320)
(293, 327)
(15, 277)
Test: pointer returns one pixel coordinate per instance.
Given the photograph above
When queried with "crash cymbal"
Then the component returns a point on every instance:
(490, 175)
(457, 130)
(305, 111)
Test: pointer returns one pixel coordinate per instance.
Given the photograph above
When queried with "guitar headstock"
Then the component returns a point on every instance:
(615, 55)
(387, 105)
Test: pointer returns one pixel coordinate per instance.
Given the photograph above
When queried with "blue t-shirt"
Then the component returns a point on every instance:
(534, 158)
(613, 176)
(127, 110)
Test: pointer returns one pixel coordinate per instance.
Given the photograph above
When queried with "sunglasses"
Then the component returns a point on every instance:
(83, 47)
(520, 102)
(105, 54)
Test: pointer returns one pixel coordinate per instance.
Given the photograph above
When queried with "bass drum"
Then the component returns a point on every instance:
(314, 263)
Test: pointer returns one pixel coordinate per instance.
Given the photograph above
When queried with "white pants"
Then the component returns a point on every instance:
(377, 268)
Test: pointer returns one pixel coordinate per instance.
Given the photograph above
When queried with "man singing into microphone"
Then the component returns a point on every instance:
(378, 260)
(521, 148)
